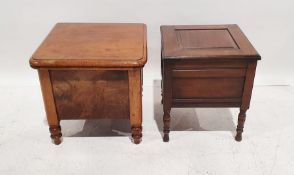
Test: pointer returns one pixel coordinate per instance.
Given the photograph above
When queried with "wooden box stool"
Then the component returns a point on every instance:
(92, 71)
(206, 66)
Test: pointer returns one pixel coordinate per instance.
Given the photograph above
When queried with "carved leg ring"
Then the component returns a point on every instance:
(161, 97)
(161, 93)
(137, 134)
(55, 134)
(166, 126)
(240, 126)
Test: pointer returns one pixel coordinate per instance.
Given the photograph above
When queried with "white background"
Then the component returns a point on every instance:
(269, 25)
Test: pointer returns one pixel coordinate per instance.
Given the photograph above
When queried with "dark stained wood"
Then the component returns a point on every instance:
(55, 134)
(246, 98)
(92, 71)
(91, 94)
(202, 73)
(203, 102)
(204, 39)
(207, 87)
(207, 42)
(183, 64)
(137, 133)
(167, 99)
(206, 66)
(92, 45)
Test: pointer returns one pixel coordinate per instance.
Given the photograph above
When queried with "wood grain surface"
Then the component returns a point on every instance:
(92, 45)
(135, 96)
(91, 94)
(92, 71)
(50, 107)
(207, 42)
(206, 66)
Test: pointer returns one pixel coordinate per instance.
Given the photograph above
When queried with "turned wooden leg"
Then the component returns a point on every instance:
(166, 125)
(246, 97)
(167, 100)
(137, 134)
(161, 93)
(161, 97)
(240, 126)
(52, 117)
(135, 97)
(55, 134)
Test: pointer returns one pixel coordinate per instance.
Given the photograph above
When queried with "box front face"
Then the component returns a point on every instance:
(207, 88)
(90, 94)
(204, 84)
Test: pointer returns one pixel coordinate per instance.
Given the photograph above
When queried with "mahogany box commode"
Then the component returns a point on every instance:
(206, 66)
(92, 71)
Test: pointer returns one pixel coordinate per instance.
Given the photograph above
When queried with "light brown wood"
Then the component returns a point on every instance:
(49, 103)
(91, 94)
(135, 97)
(86, 70)
(93, 45)
(48, 97)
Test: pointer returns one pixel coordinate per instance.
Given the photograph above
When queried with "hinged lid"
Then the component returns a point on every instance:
(92, 45)
(206, 42)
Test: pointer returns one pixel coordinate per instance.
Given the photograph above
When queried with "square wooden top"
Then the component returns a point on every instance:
(206, 42)
(92, 45)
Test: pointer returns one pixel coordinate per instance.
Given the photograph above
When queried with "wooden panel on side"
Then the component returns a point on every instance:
(186, 64)
(91, 94)
(206, 105)
(208, 100)
(208, 87)
(209, 73)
